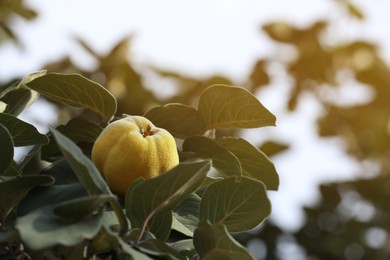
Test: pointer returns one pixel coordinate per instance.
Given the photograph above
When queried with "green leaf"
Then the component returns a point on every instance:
(18, 100)
(78, 130)
(76, 90)
(178, 119)
(214, 242)
(42, 229)
(254, 162)
(12, 191)
(240, 205)
(179, 227)
(87, 173)
(7, 149)
(61, 171)
(107, 240)
(160, 225)
(40, 197)
(122, 220)
(82, 166)
(185, 247)
(22, 133)
(32, 154)
(222, 106)
(161, 194)
(17, 97)
(206, 148)
(77, 209)
(13, 170)
(210, 180)
(133, 253)
(159, 249)
(186, 215)
(135, 233)
(21, 83)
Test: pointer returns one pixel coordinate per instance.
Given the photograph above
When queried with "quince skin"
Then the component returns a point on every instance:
(130, 148)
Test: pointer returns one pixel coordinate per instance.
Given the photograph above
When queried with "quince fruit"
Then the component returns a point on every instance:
(133, 147)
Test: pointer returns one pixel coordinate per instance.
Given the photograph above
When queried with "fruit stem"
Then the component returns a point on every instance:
(146, 132)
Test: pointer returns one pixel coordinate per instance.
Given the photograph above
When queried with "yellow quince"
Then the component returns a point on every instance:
(132, 147)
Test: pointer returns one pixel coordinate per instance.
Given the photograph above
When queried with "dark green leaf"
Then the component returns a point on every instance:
(179, 227)
(12, 191)
(77, 209)
(254, 162)
(206, 148)
(22, 133)
(18, 100)
(32, 154)
(222, 106)
(76, 90)
(159, 249)
(44, 196)
(240, 205)
(159, 224)
(180, 120)
(108, 239)
(122, 220)
(133, 253)
(169, 189)
(78, 130)
(185, 247)
(21, 83)
(7, 149)
(87, 173)
(187, 214)
(61, 171)
(83, 167)
(135, 233)
(42, 229)
(12, 170)
(210, 180)
(161, 194)
(214, 242)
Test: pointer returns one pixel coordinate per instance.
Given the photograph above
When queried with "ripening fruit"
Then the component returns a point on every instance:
(130, 148)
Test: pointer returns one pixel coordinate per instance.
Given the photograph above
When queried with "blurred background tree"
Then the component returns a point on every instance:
(352, 218)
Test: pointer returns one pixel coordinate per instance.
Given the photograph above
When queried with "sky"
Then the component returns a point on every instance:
(201, 38)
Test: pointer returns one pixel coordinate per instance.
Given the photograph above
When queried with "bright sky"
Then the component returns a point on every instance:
(202, 38)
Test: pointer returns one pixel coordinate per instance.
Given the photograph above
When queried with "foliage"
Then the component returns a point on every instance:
(351, 219)
(67, 210)
(341, 226)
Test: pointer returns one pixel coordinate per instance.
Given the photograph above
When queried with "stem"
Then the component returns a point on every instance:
(121, 217)
(146, 132)
(143, 229)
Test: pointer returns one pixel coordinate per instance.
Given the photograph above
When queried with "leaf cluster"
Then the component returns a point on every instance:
(66, 209)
